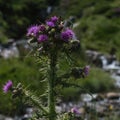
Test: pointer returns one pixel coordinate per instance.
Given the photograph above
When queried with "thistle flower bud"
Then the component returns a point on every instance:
(76, 72)
(86, 70)
(75, 45)
(52, 30)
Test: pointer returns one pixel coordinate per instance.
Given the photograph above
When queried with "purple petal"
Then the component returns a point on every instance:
(42, 38)
(50, 24)
(7, 86)
(33, 30)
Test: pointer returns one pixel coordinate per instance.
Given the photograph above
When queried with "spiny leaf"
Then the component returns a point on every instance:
(36, 101)
(65, 84)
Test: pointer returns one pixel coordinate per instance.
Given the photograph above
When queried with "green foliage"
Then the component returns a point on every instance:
(100, 31)
(98, 22)
(29, 70)
(3, 37)
(18, 15)
(26, 72)
(78, 8)
(97, 82)
(94, 83)
(99, 27)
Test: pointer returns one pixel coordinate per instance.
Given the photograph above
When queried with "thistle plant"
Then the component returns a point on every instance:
(50, 41)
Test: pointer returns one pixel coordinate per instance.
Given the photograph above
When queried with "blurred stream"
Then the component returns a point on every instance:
(107, 63)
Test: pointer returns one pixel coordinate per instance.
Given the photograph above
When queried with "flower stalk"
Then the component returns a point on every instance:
(51, 84)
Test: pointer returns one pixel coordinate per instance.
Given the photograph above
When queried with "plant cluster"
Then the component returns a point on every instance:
(50, 40)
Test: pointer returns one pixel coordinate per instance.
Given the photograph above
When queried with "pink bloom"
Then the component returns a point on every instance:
(66, 35)
(50, 24)
(33, 31)
(70, 33)
(42, 38)
(75, 110)
(54, 19)
(7, 86)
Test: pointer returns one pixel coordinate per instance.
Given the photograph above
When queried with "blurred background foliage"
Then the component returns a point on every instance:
(16, 16)
(98, 21)
(25, 72)
(96, 24)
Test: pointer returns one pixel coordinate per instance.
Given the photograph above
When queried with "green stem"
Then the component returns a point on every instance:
(51, 85)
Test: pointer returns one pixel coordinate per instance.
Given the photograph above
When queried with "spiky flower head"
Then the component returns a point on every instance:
(42, 38)
(67, 35)
(50, 24)
(33, 31)
(53, 31)
(54, 19)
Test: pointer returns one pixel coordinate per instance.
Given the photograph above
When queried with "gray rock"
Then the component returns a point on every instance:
(2, 117)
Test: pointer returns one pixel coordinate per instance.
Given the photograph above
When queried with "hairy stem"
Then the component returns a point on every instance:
(51, 84)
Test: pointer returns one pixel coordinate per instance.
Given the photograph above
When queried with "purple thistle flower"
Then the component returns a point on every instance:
(66, 35)
(86, 70)
(54, 19)
(42, 28)
(42, 38)
(33, 30)
(7, 86)
(74, 110)
(50, 24)
(70, 32)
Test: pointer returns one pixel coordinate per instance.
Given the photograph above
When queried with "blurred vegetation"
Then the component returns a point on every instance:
(98, 29)
(28, 71)
(98, 20)
(25, 72)
(98, 23)
(18, 15)
(94, 83)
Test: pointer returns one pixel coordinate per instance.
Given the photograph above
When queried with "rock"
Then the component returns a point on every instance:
(2, 117)
(86, 97)
(58, 109)
(113, 95)
(82, 110)
(98, 97)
